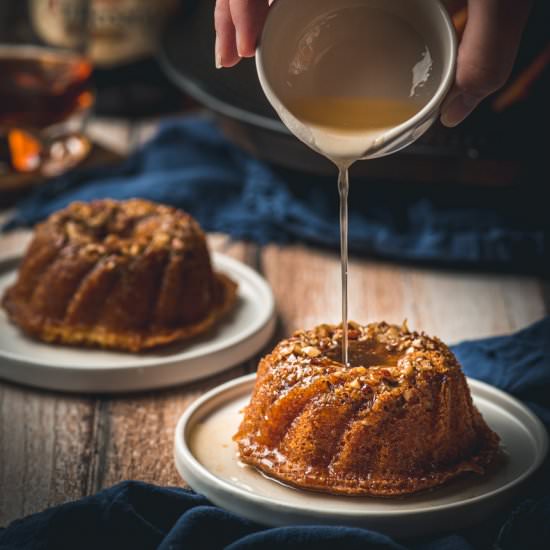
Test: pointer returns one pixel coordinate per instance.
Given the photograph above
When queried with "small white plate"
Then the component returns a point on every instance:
(236, 338)
(206, 458)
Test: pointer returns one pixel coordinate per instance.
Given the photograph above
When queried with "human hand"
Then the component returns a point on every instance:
(238, 25)
(486, 53)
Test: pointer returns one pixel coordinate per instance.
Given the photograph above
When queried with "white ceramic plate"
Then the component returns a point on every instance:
(206, 458)
(236, 338)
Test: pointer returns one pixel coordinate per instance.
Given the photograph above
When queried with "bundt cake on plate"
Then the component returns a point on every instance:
(128, 275)
(396, 420)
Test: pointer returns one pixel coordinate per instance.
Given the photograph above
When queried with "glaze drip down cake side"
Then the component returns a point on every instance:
(398, 419)
(127, 275)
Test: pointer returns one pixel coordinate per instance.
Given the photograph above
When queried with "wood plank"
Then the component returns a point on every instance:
(452, 305)
(140, 442)
(45, 449)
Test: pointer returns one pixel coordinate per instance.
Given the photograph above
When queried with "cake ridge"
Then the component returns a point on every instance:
(80, 302)
(345, 433)
(31, 285)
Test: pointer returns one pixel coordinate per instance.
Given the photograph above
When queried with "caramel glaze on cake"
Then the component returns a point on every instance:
(126, 275)
(399, 419)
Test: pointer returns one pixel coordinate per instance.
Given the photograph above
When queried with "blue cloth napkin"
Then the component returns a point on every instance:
(140, 516)
(191, 165)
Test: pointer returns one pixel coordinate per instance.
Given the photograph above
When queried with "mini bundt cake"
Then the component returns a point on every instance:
(398, 419)
(127, 275)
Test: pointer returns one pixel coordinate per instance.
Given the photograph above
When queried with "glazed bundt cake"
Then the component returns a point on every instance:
(398, 419)
(126, 275)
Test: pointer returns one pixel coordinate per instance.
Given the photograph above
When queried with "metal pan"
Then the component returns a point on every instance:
(481, 151)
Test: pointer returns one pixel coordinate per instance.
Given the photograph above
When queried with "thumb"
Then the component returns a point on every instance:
(486, 54)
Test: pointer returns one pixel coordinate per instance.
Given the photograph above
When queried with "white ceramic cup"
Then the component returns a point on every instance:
(285, 26)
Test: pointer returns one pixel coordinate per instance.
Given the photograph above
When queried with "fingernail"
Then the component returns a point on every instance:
(217, 55)
(458, 109)
(239, 48)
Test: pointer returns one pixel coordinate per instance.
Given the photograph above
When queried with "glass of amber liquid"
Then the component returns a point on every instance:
(45, 86)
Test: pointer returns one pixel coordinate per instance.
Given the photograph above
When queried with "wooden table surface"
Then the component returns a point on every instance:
(56, 447)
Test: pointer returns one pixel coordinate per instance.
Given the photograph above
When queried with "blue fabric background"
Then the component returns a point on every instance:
(190, 165)
(139, 516)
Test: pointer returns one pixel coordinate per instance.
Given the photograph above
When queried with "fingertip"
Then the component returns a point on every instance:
(224, 57)
(227, 64)
(248, 18)
(447, 121)
(457, 109)
(225, 51)
(244, 48)
(246, 42)
(217, 54)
